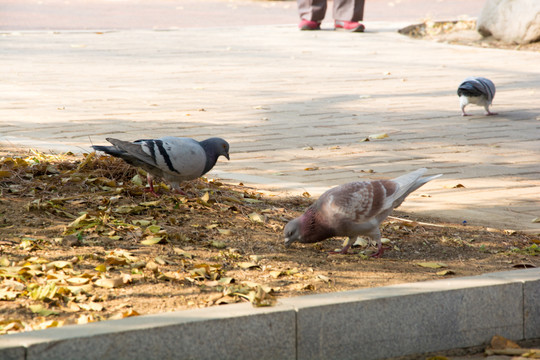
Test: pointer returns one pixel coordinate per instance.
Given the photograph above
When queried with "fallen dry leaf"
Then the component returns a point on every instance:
(110, 283)
(432, 265)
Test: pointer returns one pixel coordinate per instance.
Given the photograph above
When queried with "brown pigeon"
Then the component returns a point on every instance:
(353, 209)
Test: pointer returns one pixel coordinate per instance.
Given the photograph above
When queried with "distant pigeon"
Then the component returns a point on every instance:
(174, 159)
(353, 209)
(476, 90)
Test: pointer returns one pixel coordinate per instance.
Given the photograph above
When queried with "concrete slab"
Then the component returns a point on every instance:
(531, 293)
(236, 331)
(376, 323)
(408, 318)
(14, 352)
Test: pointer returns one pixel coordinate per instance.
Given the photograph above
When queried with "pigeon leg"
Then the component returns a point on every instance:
(463, 113)
(176, 189)
(179, 191)
(149, 179)
(350, 241)
(488, 113)
(376, 235)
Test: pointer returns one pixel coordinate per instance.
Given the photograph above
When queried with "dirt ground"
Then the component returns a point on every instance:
(81, 241)
(461, 32)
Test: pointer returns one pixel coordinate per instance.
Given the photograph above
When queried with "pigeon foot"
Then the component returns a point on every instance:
(151, 191)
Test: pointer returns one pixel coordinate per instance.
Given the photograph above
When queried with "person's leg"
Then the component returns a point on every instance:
(347, 14)
(348, 10)
(312, 10)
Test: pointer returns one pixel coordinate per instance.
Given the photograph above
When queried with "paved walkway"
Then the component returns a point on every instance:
(275, 92)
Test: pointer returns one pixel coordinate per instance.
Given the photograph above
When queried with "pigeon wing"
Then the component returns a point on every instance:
(133, 153)
(182, 158)
(356, 202)
(477, 86)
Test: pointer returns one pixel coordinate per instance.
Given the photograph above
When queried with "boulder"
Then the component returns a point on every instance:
(511, 21)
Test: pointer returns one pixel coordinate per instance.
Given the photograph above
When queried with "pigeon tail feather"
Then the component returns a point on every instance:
(417, 184)
(135, 150)
(111, 150)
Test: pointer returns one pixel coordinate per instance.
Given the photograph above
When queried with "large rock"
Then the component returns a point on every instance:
(512, 21)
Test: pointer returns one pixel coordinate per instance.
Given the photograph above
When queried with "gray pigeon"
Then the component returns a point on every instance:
(353, 209)
(173, 159)
(476, 90)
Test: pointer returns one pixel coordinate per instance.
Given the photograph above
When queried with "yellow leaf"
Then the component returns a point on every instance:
(130, 313)
(87, 160)
(5, 174)
(445, 272)
(77, 281)
(59, 264)
(75, 223)
(110, 283)
(92, 306)
(225, 231)
(323, 278)
(183, 253)
(251, 200)
(205, 197)
(12, 285)
(48, 324)
(115, 260)
(378, 136)
(311, 168)
(128, 209)
(276, 273)
(152, 240)
(248, 265)
(40, 310)
(4, 261)
(85, 319)
(8, 294)
(150, 203)
(226, 280)
(154, 229)
(211, 226)
(292, 271)
(432, 265)
(137, 180)
(101, 268)
(256, 217)
(218, 244)
(141, 222)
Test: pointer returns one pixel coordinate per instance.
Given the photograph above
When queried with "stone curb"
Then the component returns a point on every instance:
(374, 323)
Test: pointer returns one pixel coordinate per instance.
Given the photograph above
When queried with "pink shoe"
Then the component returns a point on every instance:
(352, 26)
(309, 25)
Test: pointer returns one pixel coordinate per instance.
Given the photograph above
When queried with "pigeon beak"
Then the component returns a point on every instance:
(288, 241)
(227, 156)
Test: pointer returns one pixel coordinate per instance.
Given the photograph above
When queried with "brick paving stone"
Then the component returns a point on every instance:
(273, 90)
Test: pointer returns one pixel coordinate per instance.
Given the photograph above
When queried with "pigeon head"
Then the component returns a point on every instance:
(214, 148)
(308, 228)
(293, 231)
(218, 146)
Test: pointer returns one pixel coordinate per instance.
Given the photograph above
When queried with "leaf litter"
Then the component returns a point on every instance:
(81, 241)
